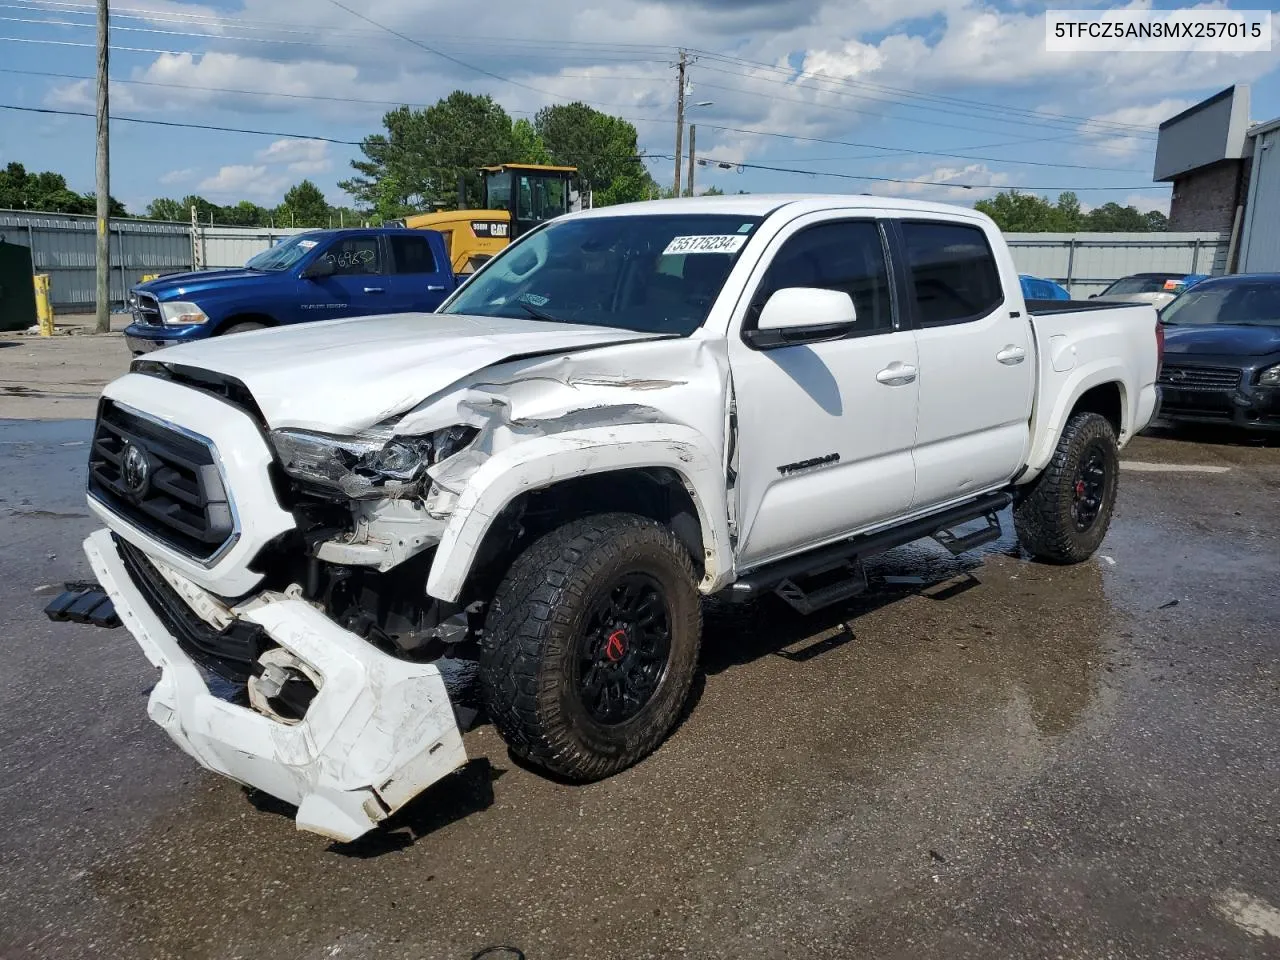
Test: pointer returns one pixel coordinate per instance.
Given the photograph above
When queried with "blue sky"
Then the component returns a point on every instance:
(933, 92)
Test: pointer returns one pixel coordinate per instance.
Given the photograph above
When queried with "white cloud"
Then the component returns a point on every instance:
(1147, 202)
(242, 180)
(303, 157)
(932, 185)
(178, 176)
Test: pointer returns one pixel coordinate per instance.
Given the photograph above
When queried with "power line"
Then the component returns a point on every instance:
(730, 164)
(175, 123)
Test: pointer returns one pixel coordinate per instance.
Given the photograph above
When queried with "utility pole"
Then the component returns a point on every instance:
(681, 67)
(102, 257)
(693, 139)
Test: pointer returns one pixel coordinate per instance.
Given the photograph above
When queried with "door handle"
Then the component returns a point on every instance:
(435, 287)
(373, 290)
(1011, 354)
(897, 374)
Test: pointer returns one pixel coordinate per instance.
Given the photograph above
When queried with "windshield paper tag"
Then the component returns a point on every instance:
(725, 243)
(307, 244)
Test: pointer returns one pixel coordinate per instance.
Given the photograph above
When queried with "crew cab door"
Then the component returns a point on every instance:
(824, 433)
(358, 285)
(417, 279)
(977, 359)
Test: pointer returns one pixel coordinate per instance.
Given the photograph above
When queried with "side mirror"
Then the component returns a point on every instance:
(1093, 296)
(322, 267)
(803, 315)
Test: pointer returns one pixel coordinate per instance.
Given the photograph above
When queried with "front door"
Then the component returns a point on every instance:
(825, 430)
(358, 285)
(977, 362)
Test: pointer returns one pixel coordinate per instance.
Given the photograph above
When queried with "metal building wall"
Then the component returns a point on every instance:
(1085, 263)
(1260, 240)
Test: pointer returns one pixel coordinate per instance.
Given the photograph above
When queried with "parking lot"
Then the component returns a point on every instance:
(980, 757)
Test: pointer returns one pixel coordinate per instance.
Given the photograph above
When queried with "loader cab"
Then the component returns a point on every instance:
(531, 194)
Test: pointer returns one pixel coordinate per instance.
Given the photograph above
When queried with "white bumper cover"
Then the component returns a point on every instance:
(379, 731)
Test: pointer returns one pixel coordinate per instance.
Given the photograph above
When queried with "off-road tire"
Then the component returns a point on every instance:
(242, 328)
(531, 648)
(1043, 518)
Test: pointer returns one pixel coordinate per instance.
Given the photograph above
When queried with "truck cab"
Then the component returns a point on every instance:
(318, 275)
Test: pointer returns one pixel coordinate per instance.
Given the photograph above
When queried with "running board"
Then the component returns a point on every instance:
(822, 588)
(769, 578)
(958, 543)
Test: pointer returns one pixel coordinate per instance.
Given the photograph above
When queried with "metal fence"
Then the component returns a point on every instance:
(62, 245)
(1086, 263)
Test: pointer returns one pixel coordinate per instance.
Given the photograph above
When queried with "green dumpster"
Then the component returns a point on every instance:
(17, 288)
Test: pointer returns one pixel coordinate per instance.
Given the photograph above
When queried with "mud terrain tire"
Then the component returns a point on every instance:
(591, 644)
(1064, 516)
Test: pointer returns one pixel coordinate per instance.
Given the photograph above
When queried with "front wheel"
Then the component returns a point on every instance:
(1066, 513)
(590, 645)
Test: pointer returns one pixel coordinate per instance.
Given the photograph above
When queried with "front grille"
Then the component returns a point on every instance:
(1200, 378)
(160, 480)
(230, 653)
(145, 309)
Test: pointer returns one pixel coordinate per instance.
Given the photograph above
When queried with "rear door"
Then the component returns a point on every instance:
(358, 285)
(976, 357)
(417, 279)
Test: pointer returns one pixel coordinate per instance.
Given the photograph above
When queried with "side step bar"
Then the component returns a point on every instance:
(783, 575)
(83, 601)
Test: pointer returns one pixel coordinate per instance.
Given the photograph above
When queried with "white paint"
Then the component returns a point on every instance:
(1139, 466)
(1249, 913)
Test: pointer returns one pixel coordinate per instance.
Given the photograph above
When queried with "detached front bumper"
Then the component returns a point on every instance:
(377, 733)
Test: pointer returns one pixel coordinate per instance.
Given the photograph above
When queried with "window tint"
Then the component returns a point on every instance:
(848, 257)
(953, 274)
(412, 255)
(354, 255)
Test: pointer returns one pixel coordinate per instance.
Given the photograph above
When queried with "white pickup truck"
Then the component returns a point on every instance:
(337, 541)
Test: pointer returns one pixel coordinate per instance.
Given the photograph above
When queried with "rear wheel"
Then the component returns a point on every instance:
(1065, 515)
(590, 645)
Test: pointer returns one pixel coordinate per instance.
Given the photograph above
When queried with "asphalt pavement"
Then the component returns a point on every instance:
(982, 757)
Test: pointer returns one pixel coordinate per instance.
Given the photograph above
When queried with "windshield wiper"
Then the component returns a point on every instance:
(538, 314)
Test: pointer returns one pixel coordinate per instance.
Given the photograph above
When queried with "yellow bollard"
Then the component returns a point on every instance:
(44, 308)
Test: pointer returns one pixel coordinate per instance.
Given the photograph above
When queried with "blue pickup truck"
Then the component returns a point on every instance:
(320, 275)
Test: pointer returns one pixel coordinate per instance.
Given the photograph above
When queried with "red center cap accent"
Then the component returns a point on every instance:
(615, 647)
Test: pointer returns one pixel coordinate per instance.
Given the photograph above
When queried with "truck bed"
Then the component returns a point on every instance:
(1043, 308)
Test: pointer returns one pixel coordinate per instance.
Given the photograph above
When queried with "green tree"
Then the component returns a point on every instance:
(246, 213)
(48, 192)
(602, 147)
(304, 206)
(527, 145)
(1113, 218)
(1016, 212)
(166, 208)
(416, 164)
(1028, 213)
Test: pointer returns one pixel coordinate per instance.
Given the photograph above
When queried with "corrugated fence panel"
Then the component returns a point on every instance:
(223, 247)
(1086, 263)
(63, 246)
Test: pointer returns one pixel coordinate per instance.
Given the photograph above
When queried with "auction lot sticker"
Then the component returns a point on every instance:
(724, 243)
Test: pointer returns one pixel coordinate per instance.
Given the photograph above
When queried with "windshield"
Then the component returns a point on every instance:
(1245, 304)
(1143, 285)
(284, 254)
(655, 274)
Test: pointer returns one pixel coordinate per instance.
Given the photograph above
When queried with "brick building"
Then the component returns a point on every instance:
(1225, 173)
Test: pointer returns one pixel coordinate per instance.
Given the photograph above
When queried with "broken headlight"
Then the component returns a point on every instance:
(368, 465)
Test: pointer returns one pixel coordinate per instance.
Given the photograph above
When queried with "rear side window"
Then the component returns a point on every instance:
(412, 255)
(847, 256)
(952, 272)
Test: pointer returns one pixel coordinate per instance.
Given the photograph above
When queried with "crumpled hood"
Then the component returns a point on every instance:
(340, 376)
(1222, 339)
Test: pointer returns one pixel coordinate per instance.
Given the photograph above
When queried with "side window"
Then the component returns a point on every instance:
(846, 256)
(952, 272)
(354, 255)
(412, 255)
